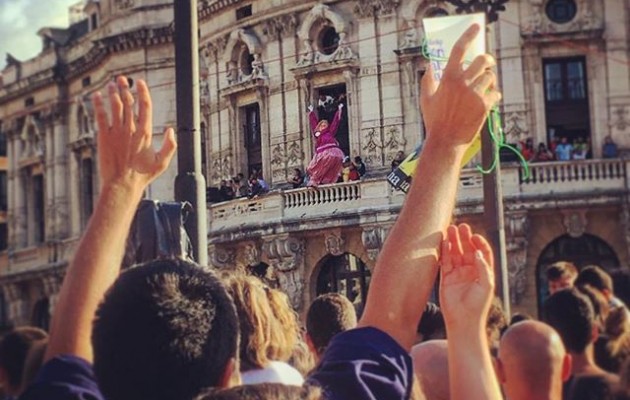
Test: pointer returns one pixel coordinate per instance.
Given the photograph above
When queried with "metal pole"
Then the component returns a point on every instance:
(493, 208)
(190, 184)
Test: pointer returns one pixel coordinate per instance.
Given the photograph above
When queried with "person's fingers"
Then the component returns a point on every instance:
(145, 112)
(102, 122)
(482, 245)
(465, 235)
(116, 106)
(429, 84)
(492, 98)
(456, 59)
(165, 155)
(479, 65)
(484, 82)
(128, 101)
(446, 262)
(484, 270)
(453, 237)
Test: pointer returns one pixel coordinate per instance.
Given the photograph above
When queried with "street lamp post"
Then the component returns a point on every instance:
(190, 184)
(492, 193)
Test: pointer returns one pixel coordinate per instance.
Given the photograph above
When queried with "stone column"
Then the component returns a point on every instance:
(286, 256)
(51, 284)
(59, 174)
(373, 237)
(517, 224)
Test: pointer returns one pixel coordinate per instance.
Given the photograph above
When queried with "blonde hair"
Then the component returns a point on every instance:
(319, 124)
(285, 332)
(256, 320)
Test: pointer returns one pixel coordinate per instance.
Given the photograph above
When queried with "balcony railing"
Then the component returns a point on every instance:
(577, 178)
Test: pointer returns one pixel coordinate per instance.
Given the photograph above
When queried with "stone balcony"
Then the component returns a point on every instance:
(244, 217)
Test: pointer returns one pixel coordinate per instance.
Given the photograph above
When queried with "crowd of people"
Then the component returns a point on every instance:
(170, 329)
(565, 150)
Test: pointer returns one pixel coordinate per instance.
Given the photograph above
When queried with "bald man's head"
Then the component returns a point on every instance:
(532, 361)
(430, 364)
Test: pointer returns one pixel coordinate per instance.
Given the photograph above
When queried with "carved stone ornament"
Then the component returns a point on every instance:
(283, 25)
(221, 257)
(371, 8)
(251, 254)
(575, 222)
(373, 238)
(124, 4)
(32, 138)
(286, 255)
(516, 125)
(372, 147)
(334, 243)
(285, 252)
(517, 226)
(15, 298)
(619, 117)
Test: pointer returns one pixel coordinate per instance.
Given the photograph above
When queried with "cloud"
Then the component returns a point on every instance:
(21, 19)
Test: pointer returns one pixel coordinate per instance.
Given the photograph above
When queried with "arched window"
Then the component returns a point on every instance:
(345, 274)
(41, 314)
(246, 60)
(582, 251)
(328, 40)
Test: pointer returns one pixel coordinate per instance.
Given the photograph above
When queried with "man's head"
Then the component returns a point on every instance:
(532, 362)
(14, 348)
(328, 315)
(597, 278)
(570, 313)
(166, 329)
(561, 275)
(431, 324)
(430, 365)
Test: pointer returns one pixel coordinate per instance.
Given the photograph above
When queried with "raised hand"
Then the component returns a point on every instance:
(310, 108)
(471, 89)
(125, 150)
(340, 106)
(467, 278)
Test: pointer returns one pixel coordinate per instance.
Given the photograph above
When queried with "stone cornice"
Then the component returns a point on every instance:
(102, 48)
(208, 8)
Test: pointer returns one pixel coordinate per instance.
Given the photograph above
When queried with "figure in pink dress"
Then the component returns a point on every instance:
(327, 163)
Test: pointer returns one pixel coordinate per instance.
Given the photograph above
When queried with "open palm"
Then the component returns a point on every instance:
(467, 278)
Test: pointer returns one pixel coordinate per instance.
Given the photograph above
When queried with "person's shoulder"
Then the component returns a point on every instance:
(64, 377)
(364, 363)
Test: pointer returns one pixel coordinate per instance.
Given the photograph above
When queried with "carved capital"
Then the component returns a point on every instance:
(251, 254)
(372, 8)
(292, 283)
(516, 224)
(517, 270)
(283, 25)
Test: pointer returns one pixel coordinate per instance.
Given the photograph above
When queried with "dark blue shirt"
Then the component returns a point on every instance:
(364, 363)
(64, 378)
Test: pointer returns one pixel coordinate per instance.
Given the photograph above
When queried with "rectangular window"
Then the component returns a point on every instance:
(3, 142)
(38, 209)
(4, 238)
(244, 12)
(3, 190)
(251, 130)
(94, 20)
(87, 190)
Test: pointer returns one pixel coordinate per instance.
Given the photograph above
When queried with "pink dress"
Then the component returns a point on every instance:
(327, 163)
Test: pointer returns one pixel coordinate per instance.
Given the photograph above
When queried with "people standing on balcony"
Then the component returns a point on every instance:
(327, 163)
(564, 150)
(360, 166)
(226, 190)
(400, 157)
(609, 150)
(349, 172)
(527, 149)
(239, 186)
(543, 154)
(580, 149)
(257, 185)
(297, 180)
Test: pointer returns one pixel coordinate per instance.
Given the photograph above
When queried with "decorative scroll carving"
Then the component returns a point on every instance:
(283, 25)
(372, 147)
(516, 125)
(251, 254)
(221, 257)
(286, 255)
(16, 300)
(51, 284)
(619, 117)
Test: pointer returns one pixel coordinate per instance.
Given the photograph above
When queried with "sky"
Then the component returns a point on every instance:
(21, 19)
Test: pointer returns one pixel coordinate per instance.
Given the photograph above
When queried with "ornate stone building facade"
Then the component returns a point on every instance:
(563, 70)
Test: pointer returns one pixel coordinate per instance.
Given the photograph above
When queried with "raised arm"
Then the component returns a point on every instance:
(466, 291)
(127, 164)
(334, 125)
(406, 268)
(312, 119)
